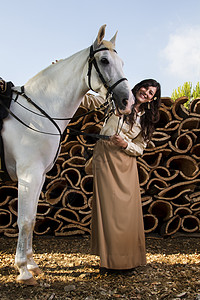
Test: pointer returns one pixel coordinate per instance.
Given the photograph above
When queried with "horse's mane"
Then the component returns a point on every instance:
(54, 66)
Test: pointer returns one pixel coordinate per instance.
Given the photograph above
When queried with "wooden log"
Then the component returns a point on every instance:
(189, 124)
(194, 197)
(179, 111)
(193, 136)
(195, 206)
(11, 232)
(190, 224)
(13, 206)
(195, 106)
(46, 225)
(85, 211)
(86, 220)
(54, 172)
(151, 147)
(90, 202)
(151, 160)
(55, 190)
(164, 173)
(155, 185)
(167, 102)
(179, 189)
(143, 173)
(72, 229)
(171, 226)
(165, 118)
(5, 218)
(182, 144)
(195, 151)
(43, 209)
(7, 193)
(67, 216)
(65, 148)
(170, 127)
(181, 201)
(160, 138)
(146, 200)
(161, 209)
(75, 162)
(74, 200)
(186, 165)
(150, 223)
(197, 214)
(87, 184)
(182, 211)
(72, 176)
(77, 150)
(142, 191)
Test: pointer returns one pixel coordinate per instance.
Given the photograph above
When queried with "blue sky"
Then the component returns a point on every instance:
(156, 39)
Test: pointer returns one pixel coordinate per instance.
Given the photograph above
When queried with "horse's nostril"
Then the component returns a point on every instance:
(124, 102)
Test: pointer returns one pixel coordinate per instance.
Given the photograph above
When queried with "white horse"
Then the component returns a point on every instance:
(30, 152)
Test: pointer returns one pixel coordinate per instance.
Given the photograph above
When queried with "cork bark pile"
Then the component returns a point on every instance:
(168, 170)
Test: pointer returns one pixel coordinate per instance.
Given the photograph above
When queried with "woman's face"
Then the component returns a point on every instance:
(144, 95)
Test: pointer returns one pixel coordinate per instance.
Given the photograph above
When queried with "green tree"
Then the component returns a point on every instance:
(196, 91)
(187, 91)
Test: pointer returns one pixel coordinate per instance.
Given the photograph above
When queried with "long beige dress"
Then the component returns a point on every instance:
(117, 220)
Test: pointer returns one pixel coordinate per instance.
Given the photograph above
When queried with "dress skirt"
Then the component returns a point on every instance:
(117, 220)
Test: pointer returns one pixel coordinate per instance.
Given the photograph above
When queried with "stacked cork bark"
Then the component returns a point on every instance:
(169, 177)
(169, 171)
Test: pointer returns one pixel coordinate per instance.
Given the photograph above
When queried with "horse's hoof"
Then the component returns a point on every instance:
(35, 271)
(30, 281)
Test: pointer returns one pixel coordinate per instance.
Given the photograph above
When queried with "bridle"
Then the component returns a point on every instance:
(92, 61)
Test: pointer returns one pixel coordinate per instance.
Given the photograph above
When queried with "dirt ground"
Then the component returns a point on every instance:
(70, 272)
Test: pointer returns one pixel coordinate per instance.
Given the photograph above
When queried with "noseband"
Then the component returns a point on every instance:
(92, 61)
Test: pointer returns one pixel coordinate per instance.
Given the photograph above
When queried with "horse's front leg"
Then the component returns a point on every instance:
(31, 264)
(29, 187)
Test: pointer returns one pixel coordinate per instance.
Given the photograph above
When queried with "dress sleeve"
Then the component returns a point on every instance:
(91, 101)
(136, 147)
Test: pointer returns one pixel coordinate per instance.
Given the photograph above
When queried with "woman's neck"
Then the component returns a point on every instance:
(137, 108)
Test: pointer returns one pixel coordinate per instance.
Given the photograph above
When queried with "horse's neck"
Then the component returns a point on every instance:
(59, 88)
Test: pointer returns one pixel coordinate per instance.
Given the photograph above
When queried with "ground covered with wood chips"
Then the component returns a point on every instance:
(70, 272)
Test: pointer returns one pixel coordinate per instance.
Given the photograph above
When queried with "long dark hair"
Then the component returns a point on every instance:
(151, 109)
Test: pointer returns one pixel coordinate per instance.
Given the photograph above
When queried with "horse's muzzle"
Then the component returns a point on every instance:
(127, 104)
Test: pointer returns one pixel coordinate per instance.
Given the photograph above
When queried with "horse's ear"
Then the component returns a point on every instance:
(100, 36)
(114, 39)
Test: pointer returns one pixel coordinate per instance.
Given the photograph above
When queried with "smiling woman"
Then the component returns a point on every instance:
(117, 221)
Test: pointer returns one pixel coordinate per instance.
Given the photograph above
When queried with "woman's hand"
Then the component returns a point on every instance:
(118, 141)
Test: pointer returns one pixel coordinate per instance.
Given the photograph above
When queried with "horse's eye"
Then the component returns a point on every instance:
(104, 61)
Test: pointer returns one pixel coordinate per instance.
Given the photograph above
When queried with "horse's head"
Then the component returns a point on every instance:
(105, 74)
